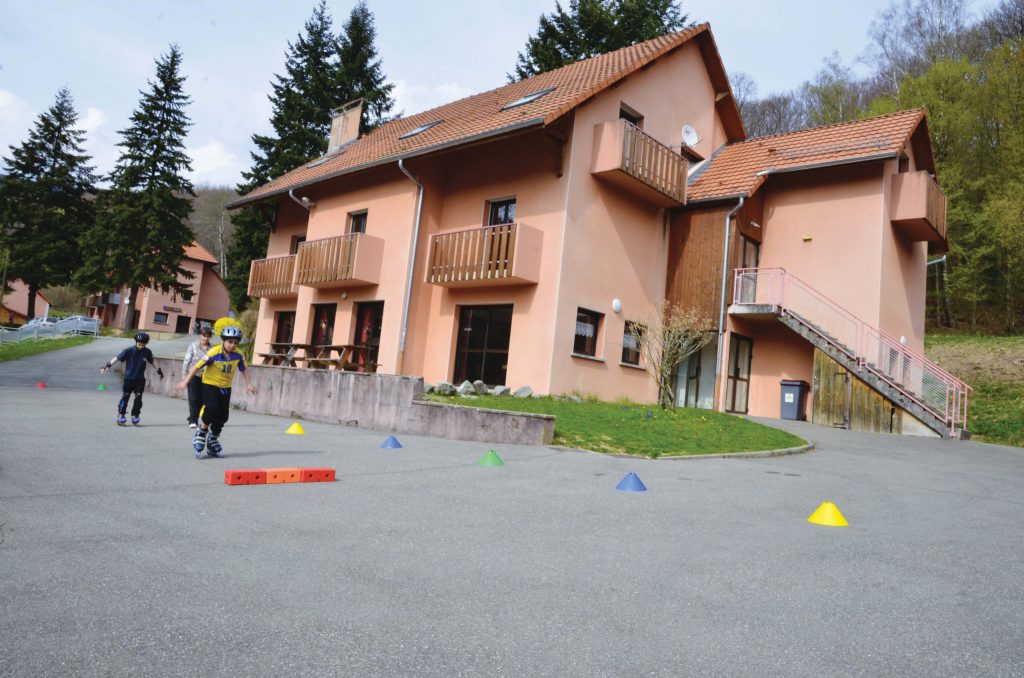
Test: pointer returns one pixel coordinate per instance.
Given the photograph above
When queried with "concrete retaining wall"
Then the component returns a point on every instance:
(383, 402)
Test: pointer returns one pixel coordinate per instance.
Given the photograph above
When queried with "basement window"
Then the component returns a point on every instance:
(421, 129)
(529, 98)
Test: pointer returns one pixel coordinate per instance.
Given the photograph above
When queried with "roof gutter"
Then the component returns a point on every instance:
(412, 263)
(721, 309)
(519, 126)
(827, 163)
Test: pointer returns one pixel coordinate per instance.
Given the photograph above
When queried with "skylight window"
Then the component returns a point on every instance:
(420, 129)
(529, 98)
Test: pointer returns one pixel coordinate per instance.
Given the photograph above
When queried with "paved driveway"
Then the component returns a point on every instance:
(123, 555)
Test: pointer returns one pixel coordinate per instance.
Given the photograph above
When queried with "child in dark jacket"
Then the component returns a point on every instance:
(134, 359)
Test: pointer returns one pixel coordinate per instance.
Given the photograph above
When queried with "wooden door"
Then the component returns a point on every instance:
(831, 390)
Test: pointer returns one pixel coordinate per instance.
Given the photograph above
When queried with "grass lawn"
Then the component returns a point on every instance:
(994, 368)
(628, 428)
(27, 348)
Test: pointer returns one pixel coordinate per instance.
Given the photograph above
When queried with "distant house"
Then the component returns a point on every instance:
(170, 312)
(15, 306)
(514, 236)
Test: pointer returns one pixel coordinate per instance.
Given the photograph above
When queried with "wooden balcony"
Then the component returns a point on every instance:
(507, 254)
(917, 209)
(272, 278)
(635, 161)
(344, 261)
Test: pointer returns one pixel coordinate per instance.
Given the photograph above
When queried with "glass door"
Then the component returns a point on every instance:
(738, 383)
(369, 320)
(323, 324)
(482, 350)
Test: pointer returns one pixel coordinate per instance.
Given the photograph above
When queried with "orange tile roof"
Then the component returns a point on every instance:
(740, 168)
(200, 253)
(481, 115)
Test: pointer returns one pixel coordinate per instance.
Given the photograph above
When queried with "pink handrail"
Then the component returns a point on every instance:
(904, 361)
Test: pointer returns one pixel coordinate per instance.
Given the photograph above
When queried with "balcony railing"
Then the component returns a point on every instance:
(272, 278)
(505, 254)
(918, 209)
(628, 156)
(97, 300)
(343, 261)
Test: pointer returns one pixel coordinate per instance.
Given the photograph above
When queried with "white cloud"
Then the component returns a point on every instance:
(16, 118)
(93, 119)
(213, 163)
(412, 99)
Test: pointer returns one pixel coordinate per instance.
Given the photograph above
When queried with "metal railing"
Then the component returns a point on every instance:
(75, 325)
(918, 378)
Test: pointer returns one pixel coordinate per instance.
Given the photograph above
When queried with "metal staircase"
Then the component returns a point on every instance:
(910, 380)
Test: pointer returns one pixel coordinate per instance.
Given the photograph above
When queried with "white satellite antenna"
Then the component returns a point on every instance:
(690, 136)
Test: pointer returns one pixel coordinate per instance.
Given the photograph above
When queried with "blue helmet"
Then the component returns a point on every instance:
(231, 332)
(142, 337)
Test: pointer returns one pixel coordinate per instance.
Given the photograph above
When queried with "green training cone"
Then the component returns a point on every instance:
(101, 387)
(491, 458)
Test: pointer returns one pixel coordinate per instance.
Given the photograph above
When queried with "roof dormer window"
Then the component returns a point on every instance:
(529, 98)
(421, 129)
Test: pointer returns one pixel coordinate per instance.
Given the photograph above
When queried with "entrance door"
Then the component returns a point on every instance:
(284, 327)
(183, 325)
(482, 350)
(323, 324)
(741, 350)
(831, 389)
(693, 380)
(369, 320)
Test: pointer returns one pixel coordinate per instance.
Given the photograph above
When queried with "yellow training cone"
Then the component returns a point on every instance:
(828, 514)
(296, 430)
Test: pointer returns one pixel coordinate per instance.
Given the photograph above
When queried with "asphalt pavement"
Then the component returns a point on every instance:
(122, 555)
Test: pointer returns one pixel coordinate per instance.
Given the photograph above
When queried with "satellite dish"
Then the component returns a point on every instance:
(690, 136)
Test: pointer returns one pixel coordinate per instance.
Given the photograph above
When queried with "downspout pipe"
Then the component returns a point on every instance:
(303, 202)
(721, 308)
(412, 263)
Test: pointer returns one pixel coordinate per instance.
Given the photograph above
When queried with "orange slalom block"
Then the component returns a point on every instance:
(318, 475)
(283, 475)
(245, 477)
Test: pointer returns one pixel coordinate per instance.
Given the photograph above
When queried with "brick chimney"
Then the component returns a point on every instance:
(345, 124)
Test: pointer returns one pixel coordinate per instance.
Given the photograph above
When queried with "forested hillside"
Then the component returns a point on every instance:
(969, 74)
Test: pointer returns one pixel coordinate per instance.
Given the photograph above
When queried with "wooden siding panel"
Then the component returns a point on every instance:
(694, 272)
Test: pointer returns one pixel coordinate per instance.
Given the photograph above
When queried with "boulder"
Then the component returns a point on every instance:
(428, 387)
(501, 390)
(444, 388)
(523, 392)
(480, 387)
(465, 388)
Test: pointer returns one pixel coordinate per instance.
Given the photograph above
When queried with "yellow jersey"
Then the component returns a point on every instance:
(221, 366)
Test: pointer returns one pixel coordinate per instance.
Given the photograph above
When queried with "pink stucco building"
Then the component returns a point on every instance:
(157, 311)
(14, 309)
(513, 235)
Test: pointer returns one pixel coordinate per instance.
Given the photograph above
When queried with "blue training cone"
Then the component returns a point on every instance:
(631, 483)
(391, 443)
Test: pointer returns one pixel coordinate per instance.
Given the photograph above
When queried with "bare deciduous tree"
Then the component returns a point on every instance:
(912, 35)
(666, 337)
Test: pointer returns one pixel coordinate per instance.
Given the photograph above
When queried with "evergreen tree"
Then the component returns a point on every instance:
(362, 74)
(302, 100)
(44, 201)
(141, 230)
(593, 27)
(322, 73)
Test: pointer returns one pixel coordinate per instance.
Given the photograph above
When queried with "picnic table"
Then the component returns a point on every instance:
(283, 353)
(349, 357)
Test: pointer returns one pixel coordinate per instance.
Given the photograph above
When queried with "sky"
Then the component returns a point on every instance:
(434, 52)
